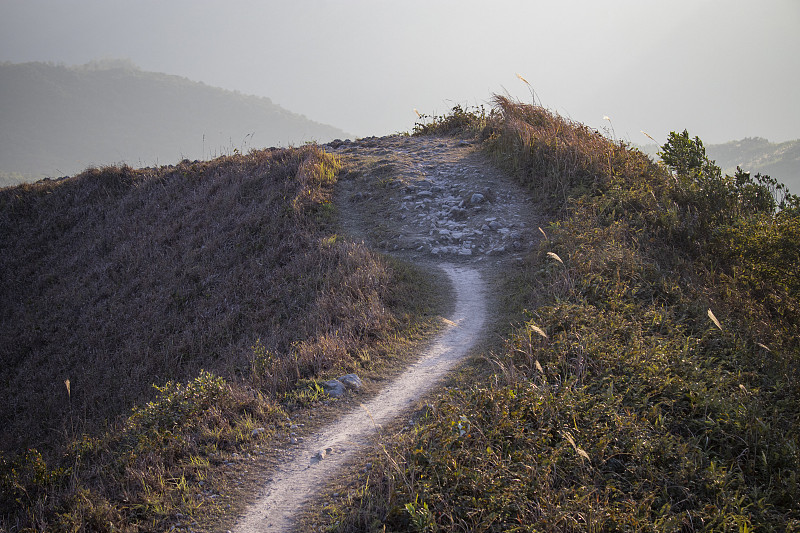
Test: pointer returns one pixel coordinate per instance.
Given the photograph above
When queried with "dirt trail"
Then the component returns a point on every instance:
(322, 454)
(433, 201)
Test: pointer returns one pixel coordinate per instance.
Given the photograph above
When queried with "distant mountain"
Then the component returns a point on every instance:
(57, 120)
(779, 160)
(756, 155)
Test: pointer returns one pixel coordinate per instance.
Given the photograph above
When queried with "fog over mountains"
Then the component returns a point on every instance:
(57, 120)
(755, 154)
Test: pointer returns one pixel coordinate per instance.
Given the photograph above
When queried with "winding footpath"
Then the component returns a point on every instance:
(295, 482)
(430, 200)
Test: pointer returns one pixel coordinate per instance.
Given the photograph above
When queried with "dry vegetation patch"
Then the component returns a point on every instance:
(222, 283)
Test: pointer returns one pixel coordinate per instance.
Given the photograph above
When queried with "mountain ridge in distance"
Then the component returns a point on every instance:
(756, 155)
(58, 120)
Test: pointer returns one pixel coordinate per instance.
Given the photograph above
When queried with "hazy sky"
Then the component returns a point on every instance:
(724, 69)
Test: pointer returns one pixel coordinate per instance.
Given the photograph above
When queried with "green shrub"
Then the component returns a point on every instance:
(460, 121)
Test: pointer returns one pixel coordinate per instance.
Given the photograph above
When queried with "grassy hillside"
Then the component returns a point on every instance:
(222, 283)
(651, 384)
(57, 120)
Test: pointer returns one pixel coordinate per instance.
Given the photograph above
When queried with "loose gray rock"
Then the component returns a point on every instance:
(351, 381)
(458, 213)
(322, 454)
(441, 202)
(334, 388)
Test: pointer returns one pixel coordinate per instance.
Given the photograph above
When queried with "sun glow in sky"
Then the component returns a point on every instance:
(724, 69)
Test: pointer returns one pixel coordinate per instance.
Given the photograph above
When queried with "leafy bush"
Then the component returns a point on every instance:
(722, 199)
(460, 121)
(747, 225)
(178, 402)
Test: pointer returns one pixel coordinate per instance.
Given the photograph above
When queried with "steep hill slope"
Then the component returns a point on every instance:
(57, 120)
(119, 278)
(649, 382)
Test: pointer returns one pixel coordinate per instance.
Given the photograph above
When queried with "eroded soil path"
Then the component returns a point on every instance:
(434, 201)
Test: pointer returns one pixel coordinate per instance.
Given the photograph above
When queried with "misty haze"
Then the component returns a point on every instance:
(59, 120)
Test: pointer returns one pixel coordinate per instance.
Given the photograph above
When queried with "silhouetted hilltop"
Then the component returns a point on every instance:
(58, 120)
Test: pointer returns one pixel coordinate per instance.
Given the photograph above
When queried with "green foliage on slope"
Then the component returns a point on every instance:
(652, 383)
(755, 154)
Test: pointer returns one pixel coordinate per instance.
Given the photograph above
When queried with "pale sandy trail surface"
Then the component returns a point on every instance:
(297, 481)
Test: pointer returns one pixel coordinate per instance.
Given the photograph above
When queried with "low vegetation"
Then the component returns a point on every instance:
(158, 322)
(651, 383)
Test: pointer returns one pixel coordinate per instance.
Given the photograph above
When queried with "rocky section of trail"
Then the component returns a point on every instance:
(431, 198)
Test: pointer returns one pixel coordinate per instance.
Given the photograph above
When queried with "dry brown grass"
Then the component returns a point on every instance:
(557, 157)
(623, 403)
(120, 278)
(223, 284)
